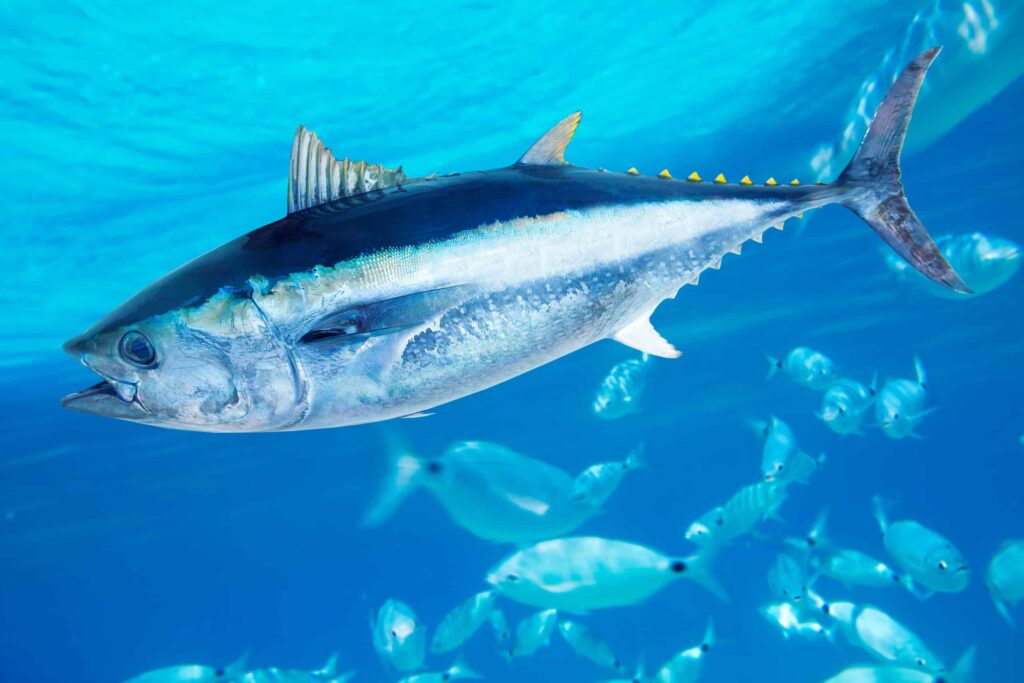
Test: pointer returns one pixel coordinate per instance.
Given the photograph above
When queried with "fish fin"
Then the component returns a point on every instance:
(237, 668)
(880, 506)
(550, 149)
(873, 387)
(816, 537)
(637, 458)
(1004, 611)
(774, 365)
(871, 181)
(316, 177)
(404, 476)
(359, 322)
(641, 335)
(922, 376)
(709, 640)
(330, 667)
(963, 670)
(917, 591)
(461, 670)
(699, 568)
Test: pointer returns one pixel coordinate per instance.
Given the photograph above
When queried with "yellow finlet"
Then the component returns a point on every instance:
(746, 181)
(800, 215)
(694, 177)
(720, 179)
(771, 181)
(665, 174)
(633, 171)
(794, 181)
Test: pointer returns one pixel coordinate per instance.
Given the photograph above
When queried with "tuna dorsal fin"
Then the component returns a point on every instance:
(316, 177)
(641, 335)
(550, 149)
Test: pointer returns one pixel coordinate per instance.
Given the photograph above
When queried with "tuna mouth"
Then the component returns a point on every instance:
(108, 397)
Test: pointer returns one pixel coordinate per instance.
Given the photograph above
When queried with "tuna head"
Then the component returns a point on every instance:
(217, 366)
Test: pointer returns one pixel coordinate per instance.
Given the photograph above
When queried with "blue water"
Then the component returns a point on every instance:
(136, 136)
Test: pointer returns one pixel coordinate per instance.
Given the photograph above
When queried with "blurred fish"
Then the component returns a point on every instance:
(195, 673)
(686, 666)
(781, 457)
(925, 555)
(787, 577)
(845, 404)
(499, 626)
(875, 631)
(963, 672)
(459, 671)
(533, 633)
(327, 674)
(398, 636)
(794, 620)
(585, 573)
(461, 623)
(847, 566)
(806, 367)
(597, 483)
(498, 494)
(588, 644)
(1005, 578)
(747, 508)
(620, 391)
(985, 262)
(899, 406)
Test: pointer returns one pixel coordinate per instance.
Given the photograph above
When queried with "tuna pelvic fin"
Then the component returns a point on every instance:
(550, 149)
(316, 177)
(872, 179)
(641, 335)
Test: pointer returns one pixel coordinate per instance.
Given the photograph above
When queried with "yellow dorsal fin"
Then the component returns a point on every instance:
(800, 214)
(664, 173)
(550, 149)
(794, 181)
(694, 177)
(746, 180)
(720, 179)
(632, 171)
(771, 181)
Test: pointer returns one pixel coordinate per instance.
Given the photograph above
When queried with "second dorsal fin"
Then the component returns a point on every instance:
(316, 177)
(550, 149)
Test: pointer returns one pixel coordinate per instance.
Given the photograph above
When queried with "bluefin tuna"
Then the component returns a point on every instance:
(379, 296)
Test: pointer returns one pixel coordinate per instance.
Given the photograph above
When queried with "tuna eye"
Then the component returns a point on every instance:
(136, 348)
(943, 565)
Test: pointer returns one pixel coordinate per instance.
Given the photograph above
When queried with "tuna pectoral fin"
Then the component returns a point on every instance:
(641, 335)
(355, 323)
(872, 180)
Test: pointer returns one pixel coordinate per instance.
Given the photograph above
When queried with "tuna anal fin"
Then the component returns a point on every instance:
(550, 149)
(641, 335)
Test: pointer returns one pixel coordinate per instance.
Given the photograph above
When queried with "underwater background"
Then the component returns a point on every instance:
(136, 137)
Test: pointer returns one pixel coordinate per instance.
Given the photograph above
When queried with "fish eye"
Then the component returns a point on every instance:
(434, 467)
(512, 577)
(943, 565)
(920, 662)
(678, 567)
(842, 410)
(136, 348)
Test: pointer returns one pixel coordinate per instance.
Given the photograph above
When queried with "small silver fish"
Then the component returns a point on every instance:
(900, 405)
(588, 644)
(195, 673)
(580, 574)
(495, 493)
(621, 390)
(930, 559)
(459, 671)
(963, 672)
(781, 457)
(533, 633)
(747, 508)
(461, 623)
(398, 636)
(793, 620)
(806, 367)
(597, 483)
(1005, 578)
(686, 666)
(845, 405)
(787, 577)
(985, 262)
(499, 626)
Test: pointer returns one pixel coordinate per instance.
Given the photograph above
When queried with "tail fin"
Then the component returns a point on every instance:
(709, 636)
(699, 568)
(331, 667)
(963, 671)
(873, 387)
(237, 668)
(774, 365)
(637, 458)
(402, 479)
(922, 376)
(461, 670)
(873, 180)
(880, 506)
